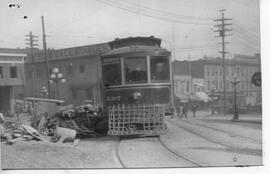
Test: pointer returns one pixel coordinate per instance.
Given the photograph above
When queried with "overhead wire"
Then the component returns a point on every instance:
(245, 32)
(120, 6)
(162, 12)
(249, 44)
(197, 48)
(245, 36)
(192, 29)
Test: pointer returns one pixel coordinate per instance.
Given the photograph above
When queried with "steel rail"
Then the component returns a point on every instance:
(178, 154)
(246, 151)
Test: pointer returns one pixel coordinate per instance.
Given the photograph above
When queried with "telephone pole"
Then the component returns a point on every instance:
(221, 29)
(46, 57)
(31, 42)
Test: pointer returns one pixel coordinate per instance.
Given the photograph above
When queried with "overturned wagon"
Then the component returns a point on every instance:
(136, 86)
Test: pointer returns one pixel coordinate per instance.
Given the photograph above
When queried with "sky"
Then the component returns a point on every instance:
(186, 27)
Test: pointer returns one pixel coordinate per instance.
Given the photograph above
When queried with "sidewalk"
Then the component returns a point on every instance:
(249, 118)
(206, 115)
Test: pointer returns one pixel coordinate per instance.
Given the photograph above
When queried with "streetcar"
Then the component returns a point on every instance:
(137, 86)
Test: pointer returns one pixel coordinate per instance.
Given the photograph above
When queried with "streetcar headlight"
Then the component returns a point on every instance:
(137, 95)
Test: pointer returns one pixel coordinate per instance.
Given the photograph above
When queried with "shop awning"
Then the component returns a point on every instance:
(182, 97)
(200, 96)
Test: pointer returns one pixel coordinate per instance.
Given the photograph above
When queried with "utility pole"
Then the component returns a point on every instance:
(98, 91)
(46, 57)
(31, 42)
(222, 33)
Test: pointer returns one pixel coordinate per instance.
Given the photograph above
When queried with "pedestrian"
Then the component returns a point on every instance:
(184, 111)
(1, 119)
(179, 109)
(194, 108)
(2, 122)
(18, 110)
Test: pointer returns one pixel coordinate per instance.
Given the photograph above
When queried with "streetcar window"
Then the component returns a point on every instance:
(159, 69)
(136, 70)
(112, 74)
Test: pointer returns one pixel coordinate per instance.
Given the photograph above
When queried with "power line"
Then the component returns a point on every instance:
(110, 3)
(245, 37)
(66, 36)
(199, 47)
(192, 29)
(246, 31)
(249, 23)
(166, 12)
(247, 43)
(248, 35)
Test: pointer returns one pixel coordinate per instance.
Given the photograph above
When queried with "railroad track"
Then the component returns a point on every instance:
(220, 130)
(243, 150)
(178, 154)
(117, 153)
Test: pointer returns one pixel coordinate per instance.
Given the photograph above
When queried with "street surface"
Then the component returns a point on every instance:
(193, 142)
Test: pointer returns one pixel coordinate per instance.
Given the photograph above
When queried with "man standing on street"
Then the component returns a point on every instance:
(184, 111)
(194, 108)
(179, 109)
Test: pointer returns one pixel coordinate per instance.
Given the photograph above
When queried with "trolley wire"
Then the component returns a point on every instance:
(120, 6)
(244, 34)
(162, 12)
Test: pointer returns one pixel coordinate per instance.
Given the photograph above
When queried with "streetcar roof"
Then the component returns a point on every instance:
(149, 41)
(138, 49)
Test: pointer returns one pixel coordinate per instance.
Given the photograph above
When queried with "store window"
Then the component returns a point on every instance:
(135, 70)
(13, 72)
(187, 87)
(82, 69)
(208, 70)
(70, 69)
(1, 72)
(40, 72)
(159, 69)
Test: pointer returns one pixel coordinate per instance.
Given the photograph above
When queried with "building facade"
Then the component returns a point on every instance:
(206, 74)
(12, 79)
(80, 67)
(188, 79)
(241, 67)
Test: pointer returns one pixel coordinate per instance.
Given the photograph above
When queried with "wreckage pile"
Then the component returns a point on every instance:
(60, 127)
(23, 132)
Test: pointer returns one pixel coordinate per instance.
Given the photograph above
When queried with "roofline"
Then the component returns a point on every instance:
(13, 54)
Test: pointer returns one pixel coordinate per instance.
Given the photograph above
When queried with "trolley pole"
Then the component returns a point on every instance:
(46, 57)
(222, 30)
